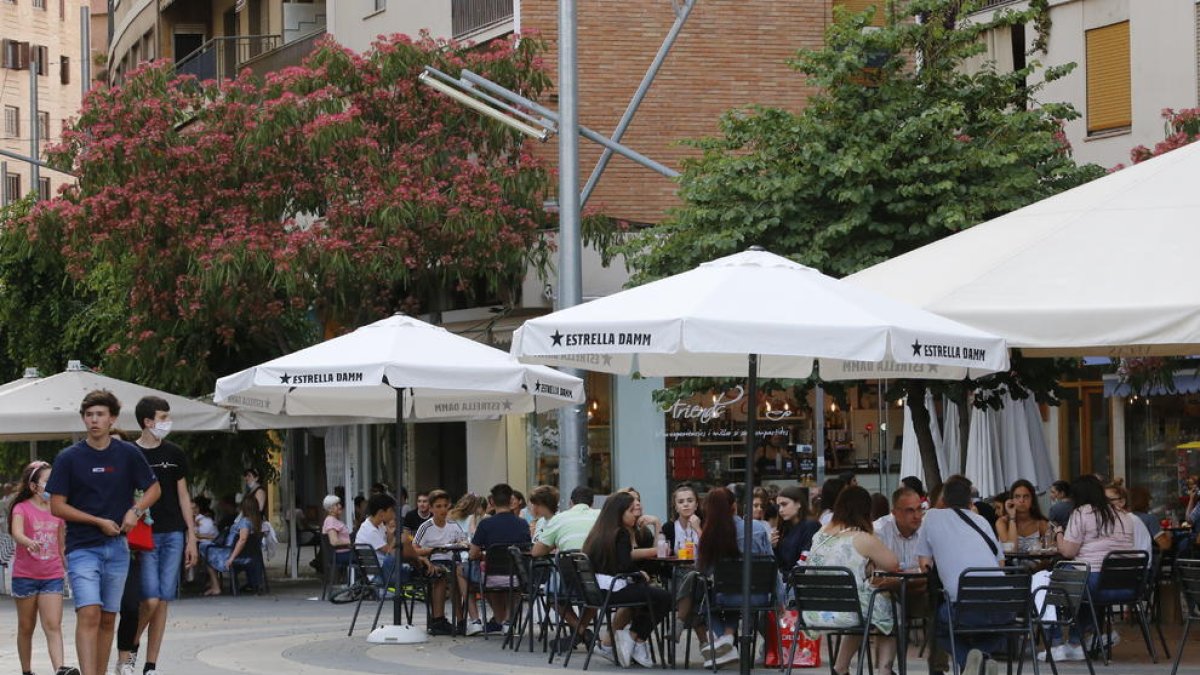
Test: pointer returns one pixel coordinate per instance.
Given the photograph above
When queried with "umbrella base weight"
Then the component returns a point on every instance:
(398, 635)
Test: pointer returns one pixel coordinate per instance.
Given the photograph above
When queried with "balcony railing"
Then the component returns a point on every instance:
(468, 17)
(290, 54)
(222, 57)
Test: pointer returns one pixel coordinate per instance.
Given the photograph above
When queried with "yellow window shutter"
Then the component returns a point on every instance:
(860, 6)
(1109, 101)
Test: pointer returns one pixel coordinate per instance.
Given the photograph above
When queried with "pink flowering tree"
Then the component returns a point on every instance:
(1182, 127)
(218, 224)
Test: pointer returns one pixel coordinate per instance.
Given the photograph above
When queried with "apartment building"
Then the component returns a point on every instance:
(1132, 59)
(42, 35)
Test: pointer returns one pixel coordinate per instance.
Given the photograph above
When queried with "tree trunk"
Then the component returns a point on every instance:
(920, 421)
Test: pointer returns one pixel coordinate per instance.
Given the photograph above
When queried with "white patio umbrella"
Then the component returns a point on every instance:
(951, 437)
(983, 465)
(910, 452)
(752, 313)
(48, 407)
(400, 369)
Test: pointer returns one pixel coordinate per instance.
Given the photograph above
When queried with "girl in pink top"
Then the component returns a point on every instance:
(38, 567)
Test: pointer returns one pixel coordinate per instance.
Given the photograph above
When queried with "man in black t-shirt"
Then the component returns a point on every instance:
(414, 518)
(174, 529)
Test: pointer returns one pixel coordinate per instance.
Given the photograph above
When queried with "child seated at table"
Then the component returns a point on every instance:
(431, 542)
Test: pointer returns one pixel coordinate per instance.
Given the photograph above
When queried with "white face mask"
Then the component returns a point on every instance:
(161, 429)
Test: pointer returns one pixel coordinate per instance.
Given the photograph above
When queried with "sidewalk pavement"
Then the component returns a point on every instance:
(290, 631)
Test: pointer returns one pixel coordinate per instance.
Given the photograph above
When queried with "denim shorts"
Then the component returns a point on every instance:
(24, 587)
(97, 574)
(161, 567)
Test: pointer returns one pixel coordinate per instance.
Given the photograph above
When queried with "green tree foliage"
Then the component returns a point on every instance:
(911, 137)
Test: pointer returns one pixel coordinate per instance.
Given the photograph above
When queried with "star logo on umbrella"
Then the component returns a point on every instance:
(285, 379)
(916, 345)
(557, 338)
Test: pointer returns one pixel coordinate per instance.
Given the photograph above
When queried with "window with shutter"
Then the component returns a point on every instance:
(44, 125)
(12, 121)
(22, 55)
(12, 185)
(64, 69)
(42, 56)
(1109, 100)
(43, 188)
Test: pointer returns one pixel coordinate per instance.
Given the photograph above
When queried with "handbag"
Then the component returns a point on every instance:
(141, 537)
(781, 633)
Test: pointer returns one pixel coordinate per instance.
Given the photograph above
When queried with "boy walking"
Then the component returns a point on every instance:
(92, 488)
(174, 528)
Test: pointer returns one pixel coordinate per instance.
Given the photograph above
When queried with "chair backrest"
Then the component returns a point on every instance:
(995, 590)
(824, 589)
(326, 552)
(727, 576)
(1068, 584)
(1124, 570)
(498, 560)
(579, 578)
(1188, 573)
(522, 564)
(367, 562)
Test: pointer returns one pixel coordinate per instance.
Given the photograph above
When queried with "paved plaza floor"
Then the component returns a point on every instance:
(289, 631)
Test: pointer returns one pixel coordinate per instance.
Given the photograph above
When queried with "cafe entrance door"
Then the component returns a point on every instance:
(1085, 435)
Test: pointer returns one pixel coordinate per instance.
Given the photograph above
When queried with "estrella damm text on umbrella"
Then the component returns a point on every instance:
(321, 378)
(600, 339)
(888, 366)
(472, 407)
(936, 351)
(551, 389)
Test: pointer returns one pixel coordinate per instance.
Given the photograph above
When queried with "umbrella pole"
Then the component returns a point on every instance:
(746, 647)
(398, 546)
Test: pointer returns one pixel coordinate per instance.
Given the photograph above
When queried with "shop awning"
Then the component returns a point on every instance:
(1186, 382)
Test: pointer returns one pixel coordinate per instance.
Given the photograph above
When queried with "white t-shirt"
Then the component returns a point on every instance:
(370, 534)
(955, 546)
(205, 527)
(429, 535)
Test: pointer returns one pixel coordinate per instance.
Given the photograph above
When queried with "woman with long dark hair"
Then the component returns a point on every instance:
(796, 530)
(1022, 523)
(686, 526)
(38, 567)
(849, 541)
(610, 547)
(722, 539)
(222, 558)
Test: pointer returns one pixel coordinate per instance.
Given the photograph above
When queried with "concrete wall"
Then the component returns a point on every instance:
(61, 36)
(639, 442)
(356, 23)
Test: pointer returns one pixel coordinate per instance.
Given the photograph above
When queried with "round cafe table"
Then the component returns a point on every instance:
(669, 567)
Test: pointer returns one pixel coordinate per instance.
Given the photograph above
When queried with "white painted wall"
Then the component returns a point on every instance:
(598, 280)
(356, 23)
(487, 454)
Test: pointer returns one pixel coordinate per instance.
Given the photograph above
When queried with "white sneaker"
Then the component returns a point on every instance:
(1114, 637)
(1070, 653)
(974, 663)
(1057, 651)
(127, 669)
(623, 647)
(474, 627)
(606, 651)
(641, 655)
(722, 645)
(152, 671)
(731, 655)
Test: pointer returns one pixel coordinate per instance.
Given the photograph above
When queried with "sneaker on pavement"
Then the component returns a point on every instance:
(722, 645)
(706, 652)
(67, 670)
(127, 669)
(474, 627)
(440, 626)
(731, 655)
(641, 655)
(606, 651)
(974, 663)
(624, 648)
(1114, 637)
(493, 628)
(1071, 653)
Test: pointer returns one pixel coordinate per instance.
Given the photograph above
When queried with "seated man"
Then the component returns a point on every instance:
(379, 531)
(956, 538)
(431, 538)
(567, 531)
(505, 527)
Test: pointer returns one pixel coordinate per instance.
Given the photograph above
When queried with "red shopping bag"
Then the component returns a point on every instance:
(141, 537)
(781, 633)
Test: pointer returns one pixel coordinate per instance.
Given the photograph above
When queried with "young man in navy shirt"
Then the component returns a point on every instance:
(92, 488)
(504, 527)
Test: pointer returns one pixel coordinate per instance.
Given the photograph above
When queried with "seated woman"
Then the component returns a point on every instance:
(796, 530)
(647, 527)
(336, 530)
(610, 547)
(723, 538)
(222, 558)
(206, 527)
(849, 541)
(685, 528)
(1022, 523)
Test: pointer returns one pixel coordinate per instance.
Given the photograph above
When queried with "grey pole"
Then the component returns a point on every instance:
(746, 641)
(647, 79)
(34, 170)
(85, 56)
(818, 426)
(572, 442)
(4, 198)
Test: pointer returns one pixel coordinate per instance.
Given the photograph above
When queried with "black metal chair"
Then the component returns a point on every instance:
(331, 572)
(532, 575)
(1122, 583)
(497, 564)
(1187, 573)
(830, 589)
(725, 589)
(366, 563)
(583, 590)
(999, 601)
(1066, 594)
(250, 563)
(1153, 596)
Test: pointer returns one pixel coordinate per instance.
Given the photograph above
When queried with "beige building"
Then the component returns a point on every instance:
(44, 34)
(1132, 59)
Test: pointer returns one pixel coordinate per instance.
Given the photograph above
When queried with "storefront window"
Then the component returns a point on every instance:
(1155, 427)
(544, 438)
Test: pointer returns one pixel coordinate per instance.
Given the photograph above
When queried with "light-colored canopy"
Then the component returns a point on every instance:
(1007, 444)
(48, 407)
(1107, 268)
(704, 323)
(444, 376)
(910, 452)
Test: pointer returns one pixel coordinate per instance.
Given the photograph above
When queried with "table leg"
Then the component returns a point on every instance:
(902, 629)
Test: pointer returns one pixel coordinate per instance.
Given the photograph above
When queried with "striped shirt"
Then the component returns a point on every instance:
(569, 529)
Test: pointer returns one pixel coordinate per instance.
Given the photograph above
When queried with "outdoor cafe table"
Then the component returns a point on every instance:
(1044, 557)
(669, 567)
(456, 559)
(900, 598)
